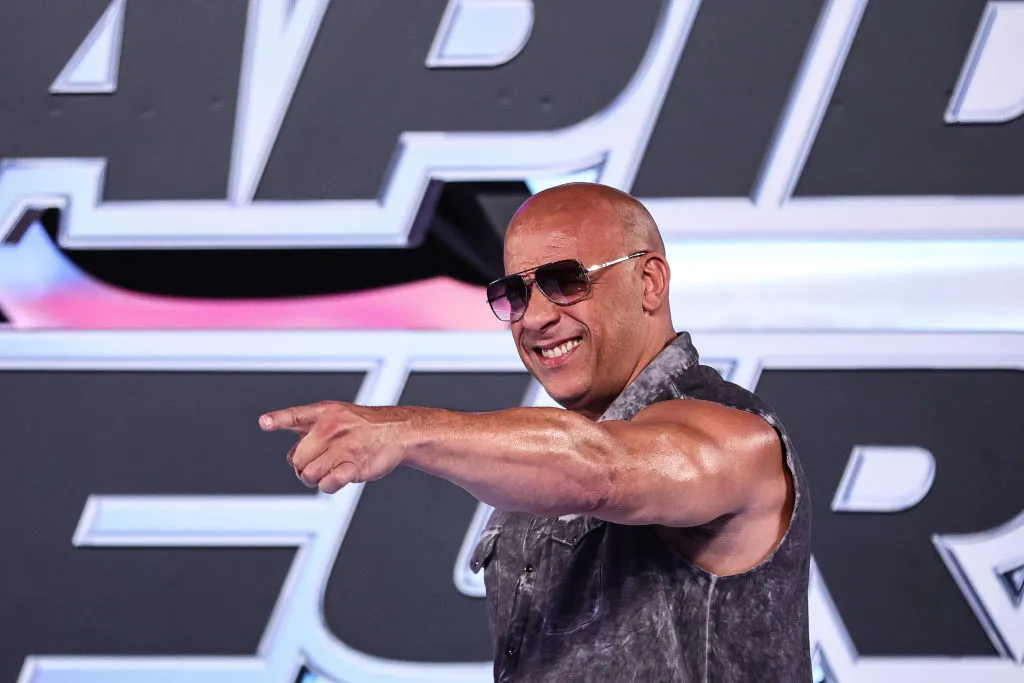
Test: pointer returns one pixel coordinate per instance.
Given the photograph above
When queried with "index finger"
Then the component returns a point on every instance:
(297, 419)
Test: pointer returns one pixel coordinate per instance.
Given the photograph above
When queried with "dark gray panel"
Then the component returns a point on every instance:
(884, 133)
(366, 83)
(726, 98)
(888, 582)
(391, 593)
(66, 435)
(167, 131)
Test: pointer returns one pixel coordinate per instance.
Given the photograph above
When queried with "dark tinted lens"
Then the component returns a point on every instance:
(562, 281)
(507, 297)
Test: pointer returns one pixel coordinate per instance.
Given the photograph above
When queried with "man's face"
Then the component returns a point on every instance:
(583, 353)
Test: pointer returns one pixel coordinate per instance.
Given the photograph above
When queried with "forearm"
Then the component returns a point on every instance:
(540, 460)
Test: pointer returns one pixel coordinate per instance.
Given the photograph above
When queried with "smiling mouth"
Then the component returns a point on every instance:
(560, 350)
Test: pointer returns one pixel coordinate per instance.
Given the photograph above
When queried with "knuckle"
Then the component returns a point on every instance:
(324, 407)
(329, 426)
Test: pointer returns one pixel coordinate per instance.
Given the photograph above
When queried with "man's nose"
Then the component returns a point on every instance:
(540, 312)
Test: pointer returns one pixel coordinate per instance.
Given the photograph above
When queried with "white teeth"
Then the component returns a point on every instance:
(560, 350)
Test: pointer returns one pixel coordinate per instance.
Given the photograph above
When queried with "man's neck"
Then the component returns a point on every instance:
(659, 342)
(652, 350)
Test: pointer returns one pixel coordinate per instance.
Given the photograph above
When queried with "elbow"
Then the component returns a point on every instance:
(600, 492)
(592, 453)
(608, 463)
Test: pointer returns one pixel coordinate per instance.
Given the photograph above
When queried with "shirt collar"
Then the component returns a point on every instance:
(658, 381)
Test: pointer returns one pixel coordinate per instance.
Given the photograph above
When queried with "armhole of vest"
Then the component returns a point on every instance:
(789, 463)
(798, 498)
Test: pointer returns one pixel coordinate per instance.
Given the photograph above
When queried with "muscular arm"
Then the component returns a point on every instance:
(680, 463)
(677, 463)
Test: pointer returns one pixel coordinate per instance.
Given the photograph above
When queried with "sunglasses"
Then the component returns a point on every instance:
(561, 282)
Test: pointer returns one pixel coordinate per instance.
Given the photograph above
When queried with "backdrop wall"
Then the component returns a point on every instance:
(213, 209)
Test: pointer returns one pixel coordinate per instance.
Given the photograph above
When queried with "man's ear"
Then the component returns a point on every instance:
(656, 275)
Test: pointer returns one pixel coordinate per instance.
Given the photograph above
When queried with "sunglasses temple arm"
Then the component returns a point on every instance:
(599, 266)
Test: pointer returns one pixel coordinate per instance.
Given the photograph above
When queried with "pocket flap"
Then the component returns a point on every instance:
(484, 549)
(571, 529)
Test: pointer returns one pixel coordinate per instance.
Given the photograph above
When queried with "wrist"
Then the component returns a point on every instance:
(415, 432)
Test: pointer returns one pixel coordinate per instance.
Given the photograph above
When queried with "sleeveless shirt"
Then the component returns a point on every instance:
(576, 598)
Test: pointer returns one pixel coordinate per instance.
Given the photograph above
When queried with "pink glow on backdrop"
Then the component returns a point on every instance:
(39, 288)
(433, 304)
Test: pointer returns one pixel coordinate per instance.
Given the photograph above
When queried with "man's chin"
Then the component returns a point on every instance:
(569, 398)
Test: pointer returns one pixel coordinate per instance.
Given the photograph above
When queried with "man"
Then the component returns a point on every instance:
(636, 536)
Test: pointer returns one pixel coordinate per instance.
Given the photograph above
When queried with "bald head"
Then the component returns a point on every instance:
(622, 317)
(611, 217)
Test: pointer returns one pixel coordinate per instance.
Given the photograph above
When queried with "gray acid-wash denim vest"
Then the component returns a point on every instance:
(576, 598)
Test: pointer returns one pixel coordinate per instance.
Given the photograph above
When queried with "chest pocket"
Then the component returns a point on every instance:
(571, 585)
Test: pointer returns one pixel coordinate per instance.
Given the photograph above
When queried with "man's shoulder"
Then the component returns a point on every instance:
(702, 413)
(708, 395)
